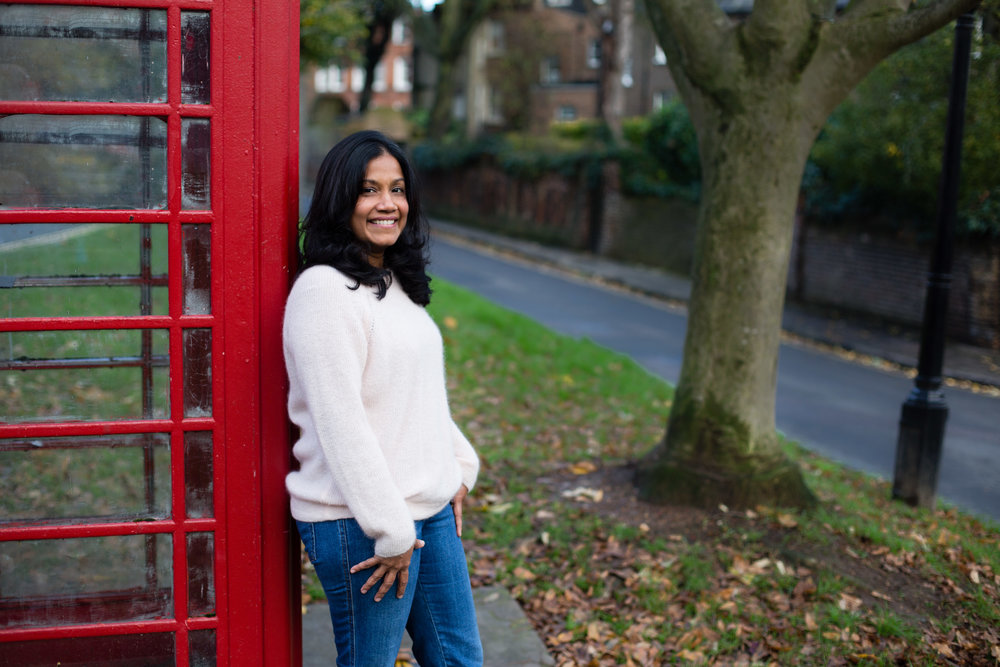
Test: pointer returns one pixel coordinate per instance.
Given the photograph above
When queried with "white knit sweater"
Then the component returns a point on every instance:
(367, 391)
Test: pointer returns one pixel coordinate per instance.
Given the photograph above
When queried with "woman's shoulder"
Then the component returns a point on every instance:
(325, 282)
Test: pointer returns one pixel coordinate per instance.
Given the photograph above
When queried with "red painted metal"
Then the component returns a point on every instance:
(254, 141)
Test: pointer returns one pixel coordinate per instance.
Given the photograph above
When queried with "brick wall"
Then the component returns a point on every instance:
(848, 270)
(887, 277)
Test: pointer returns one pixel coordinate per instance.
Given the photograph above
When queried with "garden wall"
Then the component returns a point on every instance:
(848, 270)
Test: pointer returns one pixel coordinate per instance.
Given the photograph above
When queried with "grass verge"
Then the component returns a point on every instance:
(609, 580)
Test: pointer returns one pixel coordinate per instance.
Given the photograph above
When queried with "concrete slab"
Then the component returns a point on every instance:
(509, 640)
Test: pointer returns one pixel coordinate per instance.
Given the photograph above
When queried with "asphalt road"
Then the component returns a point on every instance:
(843, 410)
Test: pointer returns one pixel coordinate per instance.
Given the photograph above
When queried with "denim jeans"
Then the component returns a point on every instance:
(437, 609)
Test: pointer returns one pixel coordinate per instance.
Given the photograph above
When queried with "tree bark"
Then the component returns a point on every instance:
(721, 444)
(758, 93)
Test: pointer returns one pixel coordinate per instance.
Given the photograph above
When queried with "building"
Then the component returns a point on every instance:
(392, 87)
(563, 43)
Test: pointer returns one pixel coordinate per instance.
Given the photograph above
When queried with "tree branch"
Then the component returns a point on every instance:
(850, 47)
(696, 35)
(922, 21)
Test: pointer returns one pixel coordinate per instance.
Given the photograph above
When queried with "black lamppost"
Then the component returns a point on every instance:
(921, 426)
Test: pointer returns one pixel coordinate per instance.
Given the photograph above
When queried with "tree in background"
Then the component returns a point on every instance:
(455, 21)
(758, 91)
(515, 70)
(380, 17)
(330, 30)
(878, 160)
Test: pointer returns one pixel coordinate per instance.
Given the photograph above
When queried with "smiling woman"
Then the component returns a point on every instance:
(383, 469)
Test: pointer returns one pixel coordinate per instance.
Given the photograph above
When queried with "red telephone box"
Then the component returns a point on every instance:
(148, 199)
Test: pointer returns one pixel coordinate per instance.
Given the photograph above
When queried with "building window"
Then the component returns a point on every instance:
(401, 82)
(329, 80)
(661, 98)
(495, 37)
(559, 3)
(659, 57)
(496, 106)
(550, 70)
(594, 54)
(379, 84)
(398, 32)
(357, 79)
(566, 112)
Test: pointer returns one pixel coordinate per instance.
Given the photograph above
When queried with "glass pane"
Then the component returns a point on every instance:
(195, 34)
(198, 474)
(84, 54)
(197, 248)
(83, 478)
(84, 375)
(145, 650)
(54, 161)
(85, 580)
(195, 158)
(60, 270)
(197, 372)
(201, 574)
(202, 645)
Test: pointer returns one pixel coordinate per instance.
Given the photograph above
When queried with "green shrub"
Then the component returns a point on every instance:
(879, 156)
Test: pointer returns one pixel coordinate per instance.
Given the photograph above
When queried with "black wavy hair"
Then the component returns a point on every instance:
(326, 230)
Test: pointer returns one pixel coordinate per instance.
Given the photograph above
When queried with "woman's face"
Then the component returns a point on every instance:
(380, 212)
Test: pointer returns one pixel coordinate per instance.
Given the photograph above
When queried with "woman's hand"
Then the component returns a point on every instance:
(395, 569)
(456, 506)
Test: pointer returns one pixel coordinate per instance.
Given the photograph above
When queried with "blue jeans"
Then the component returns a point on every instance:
(437, 608)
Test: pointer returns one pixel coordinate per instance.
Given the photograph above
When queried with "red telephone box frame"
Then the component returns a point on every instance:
(254, 183)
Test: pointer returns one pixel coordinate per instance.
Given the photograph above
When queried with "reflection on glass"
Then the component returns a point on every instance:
(195, 36)
(84, 478)
(84, 54)
(195, 161)
(196, 243)
(148, 650)
(202, 648)
(56, 161)
(201, 574)
(197, 372)
(198, 486)
(84, 375)
(85, 580)
(62, 270)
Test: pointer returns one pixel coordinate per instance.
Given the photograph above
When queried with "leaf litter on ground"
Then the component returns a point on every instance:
(607, 579)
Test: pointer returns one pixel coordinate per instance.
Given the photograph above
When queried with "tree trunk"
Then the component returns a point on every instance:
(444, 94)
(721, 444)
(758, 90)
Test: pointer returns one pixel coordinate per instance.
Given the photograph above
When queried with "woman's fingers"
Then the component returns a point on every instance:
(393, 570)
(387, 581)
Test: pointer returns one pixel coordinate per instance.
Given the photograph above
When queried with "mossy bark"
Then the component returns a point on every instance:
(758, 91)
(721, 444)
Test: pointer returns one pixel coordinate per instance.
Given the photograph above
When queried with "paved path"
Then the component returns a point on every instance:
(508, 638)
(844, 410)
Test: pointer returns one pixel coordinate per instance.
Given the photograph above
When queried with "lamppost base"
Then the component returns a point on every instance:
(918, 450)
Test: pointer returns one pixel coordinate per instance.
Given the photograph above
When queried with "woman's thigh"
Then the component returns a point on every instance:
(367, 633)
(442, 620)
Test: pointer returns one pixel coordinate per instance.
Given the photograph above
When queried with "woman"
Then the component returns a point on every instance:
(383, 469)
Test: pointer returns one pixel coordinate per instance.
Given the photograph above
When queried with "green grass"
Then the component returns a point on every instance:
(762, 586)
(63, 394)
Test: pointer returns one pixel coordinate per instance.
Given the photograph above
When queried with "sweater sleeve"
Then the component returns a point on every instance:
(468, 461)
(326, 338)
